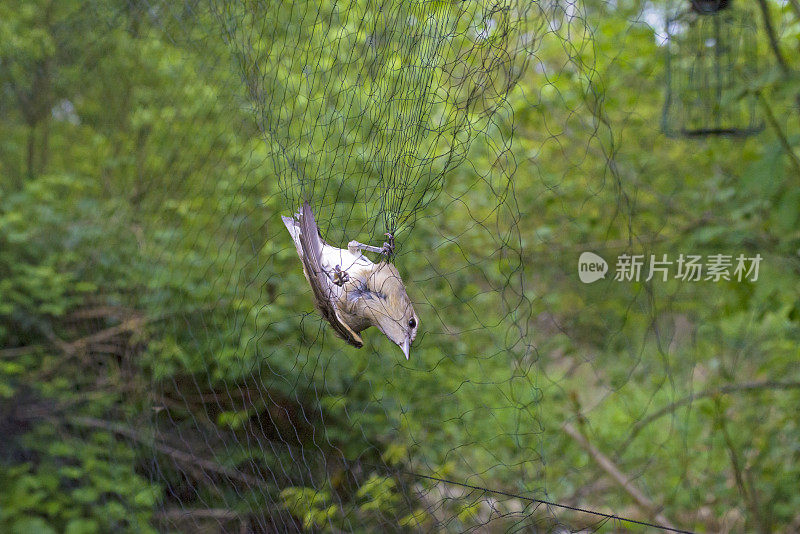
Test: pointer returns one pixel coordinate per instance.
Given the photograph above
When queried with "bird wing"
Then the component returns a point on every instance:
(321, 285)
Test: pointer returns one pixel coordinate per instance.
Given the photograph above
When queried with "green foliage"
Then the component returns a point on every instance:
(136, 186)
(77, 486)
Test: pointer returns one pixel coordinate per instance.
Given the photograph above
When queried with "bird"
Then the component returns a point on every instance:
(350, 291)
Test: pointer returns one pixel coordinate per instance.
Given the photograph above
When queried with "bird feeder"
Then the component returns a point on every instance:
(712, 58)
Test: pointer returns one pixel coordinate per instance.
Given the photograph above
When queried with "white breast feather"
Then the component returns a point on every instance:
(332, 256)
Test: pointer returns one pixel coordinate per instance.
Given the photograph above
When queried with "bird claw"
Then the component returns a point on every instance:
(388, 247)
(340, 277)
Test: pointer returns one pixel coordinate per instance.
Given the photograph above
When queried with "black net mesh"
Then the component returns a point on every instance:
(367, 106)
(385, 116)
(498, 141)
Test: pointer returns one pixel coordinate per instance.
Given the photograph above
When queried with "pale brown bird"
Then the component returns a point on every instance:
(351, 292)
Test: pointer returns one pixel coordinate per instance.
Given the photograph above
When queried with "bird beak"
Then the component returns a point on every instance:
(406, 346)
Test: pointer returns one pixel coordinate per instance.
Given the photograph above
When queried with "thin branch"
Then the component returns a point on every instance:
(101, 312)
(176, 514)
(13, 352)
(69, 348)
(724, 390)
(737, 469)
(131, 325)
(773, 38)
(134, 323)
(179, 456)
(795, 7)
(621, 478)
(773, 122)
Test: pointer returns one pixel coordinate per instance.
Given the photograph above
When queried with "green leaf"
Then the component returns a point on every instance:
(32, 525)
(765, 175)
(82, 526)
(788, 212)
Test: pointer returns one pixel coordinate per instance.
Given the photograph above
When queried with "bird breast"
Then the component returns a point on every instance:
(332, 256)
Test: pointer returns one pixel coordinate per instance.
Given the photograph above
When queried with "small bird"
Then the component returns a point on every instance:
(351, 292)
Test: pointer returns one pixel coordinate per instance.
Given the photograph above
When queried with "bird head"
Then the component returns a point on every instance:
(390, 308)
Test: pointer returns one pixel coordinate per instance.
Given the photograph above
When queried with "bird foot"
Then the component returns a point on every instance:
(340, 277)
(388, 247)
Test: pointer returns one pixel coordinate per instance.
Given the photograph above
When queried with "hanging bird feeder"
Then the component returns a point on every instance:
(712, 57)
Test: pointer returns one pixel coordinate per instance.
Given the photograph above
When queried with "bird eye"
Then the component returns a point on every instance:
(412, 323)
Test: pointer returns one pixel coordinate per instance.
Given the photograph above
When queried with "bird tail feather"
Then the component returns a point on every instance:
(293, 227)
(310, 237)
(311, 244)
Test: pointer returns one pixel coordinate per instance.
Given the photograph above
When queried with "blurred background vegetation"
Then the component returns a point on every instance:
(162, 369)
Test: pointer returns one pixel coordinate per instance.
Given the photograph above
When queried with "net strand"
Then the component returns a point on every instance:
(545, 502)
